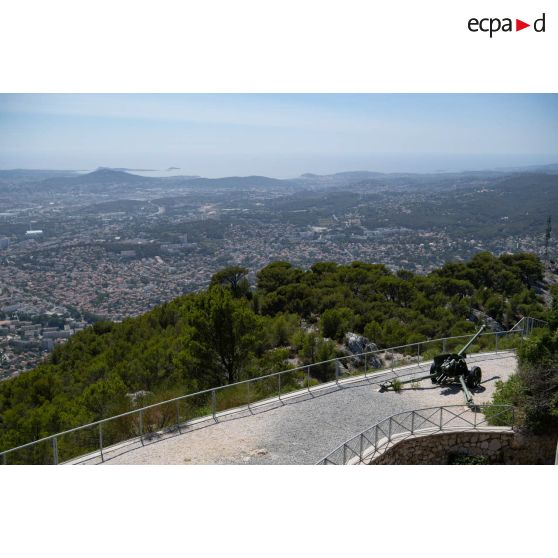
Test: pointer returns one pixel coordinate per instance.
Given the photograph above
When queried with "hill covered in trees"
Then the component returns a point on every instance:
(233, 331)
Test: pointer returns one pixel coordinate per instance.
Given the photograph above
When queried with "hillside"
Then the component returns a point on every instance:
(231, 332)
(500, 207)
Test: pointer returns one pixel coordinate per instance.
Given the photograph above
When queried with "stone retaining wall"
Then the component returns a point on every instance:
(498, 447)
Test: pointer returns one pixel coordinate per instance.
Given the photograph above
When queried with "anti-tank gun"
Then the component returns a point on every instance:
(448, 368)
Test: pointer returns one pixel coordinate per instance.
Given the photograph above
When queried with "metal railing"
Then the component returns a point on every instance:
(174, 414)
(373, 442)
(527, 324)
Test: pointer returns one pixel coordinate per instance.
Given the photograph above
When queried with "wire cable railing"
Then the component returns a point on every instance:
(376, 440)
(174, 415)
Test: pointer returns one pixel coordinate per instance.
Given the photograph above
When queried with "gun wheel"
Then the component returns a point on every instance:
(474, 377)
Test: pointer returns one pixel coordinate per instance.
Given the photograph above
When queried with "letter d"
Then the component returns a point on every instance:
(536, 24)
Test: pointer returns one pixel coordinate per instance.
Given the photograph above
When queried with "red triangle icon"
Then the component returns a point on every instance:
(519, 25)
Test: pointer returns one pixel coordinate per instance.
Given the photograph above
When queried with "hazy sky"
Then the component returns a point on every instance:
(277, 135)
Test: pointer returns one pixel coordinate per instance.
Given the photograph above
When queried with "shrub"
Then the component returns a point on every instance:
(534, 389)
(336, 322)
(396, 385)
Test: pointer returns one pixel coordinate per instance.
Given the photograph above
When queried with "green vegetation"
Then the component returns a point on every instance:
(230, 333)
(235, 279)
(396, 385)
(533, 390)
(505, 207)
(394, 309)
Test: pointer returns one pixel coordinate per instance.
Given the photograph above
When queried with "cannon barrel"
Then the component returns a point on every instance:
(471, 341)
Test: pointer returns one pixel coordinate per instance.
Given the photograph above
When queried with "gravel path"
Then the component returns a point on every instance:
(303, 429)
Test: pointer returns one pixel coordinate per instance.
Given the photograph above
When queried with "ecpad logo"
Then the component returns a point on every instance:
(493, 25)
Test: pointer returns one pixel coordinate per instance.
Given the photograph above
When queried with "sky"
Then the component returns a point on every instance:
(282, 135)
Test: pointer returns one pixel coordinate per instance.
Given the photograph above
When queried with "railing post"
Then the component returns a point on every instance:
(441, 414)
(141, 425)
(412, 422)
(497, 336)
(389, 430)
(178, 415)
(248, 394)
(392, 361)
(344, 454)
(101, 441)
(214, 404)
(361, 450)
(55, 450)
(337, 372)
(475, 418)
(418, 353)
(279, 384)
(308, 378)
(365, 364)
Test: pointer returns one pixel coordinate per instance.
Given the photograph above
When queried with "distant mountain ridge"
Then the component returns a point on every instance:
(124, 169)
(103, 174)
(106, 177)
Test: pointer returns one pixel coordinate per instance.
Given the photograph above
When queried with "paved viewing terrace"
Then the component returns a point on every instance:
(303, 426)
